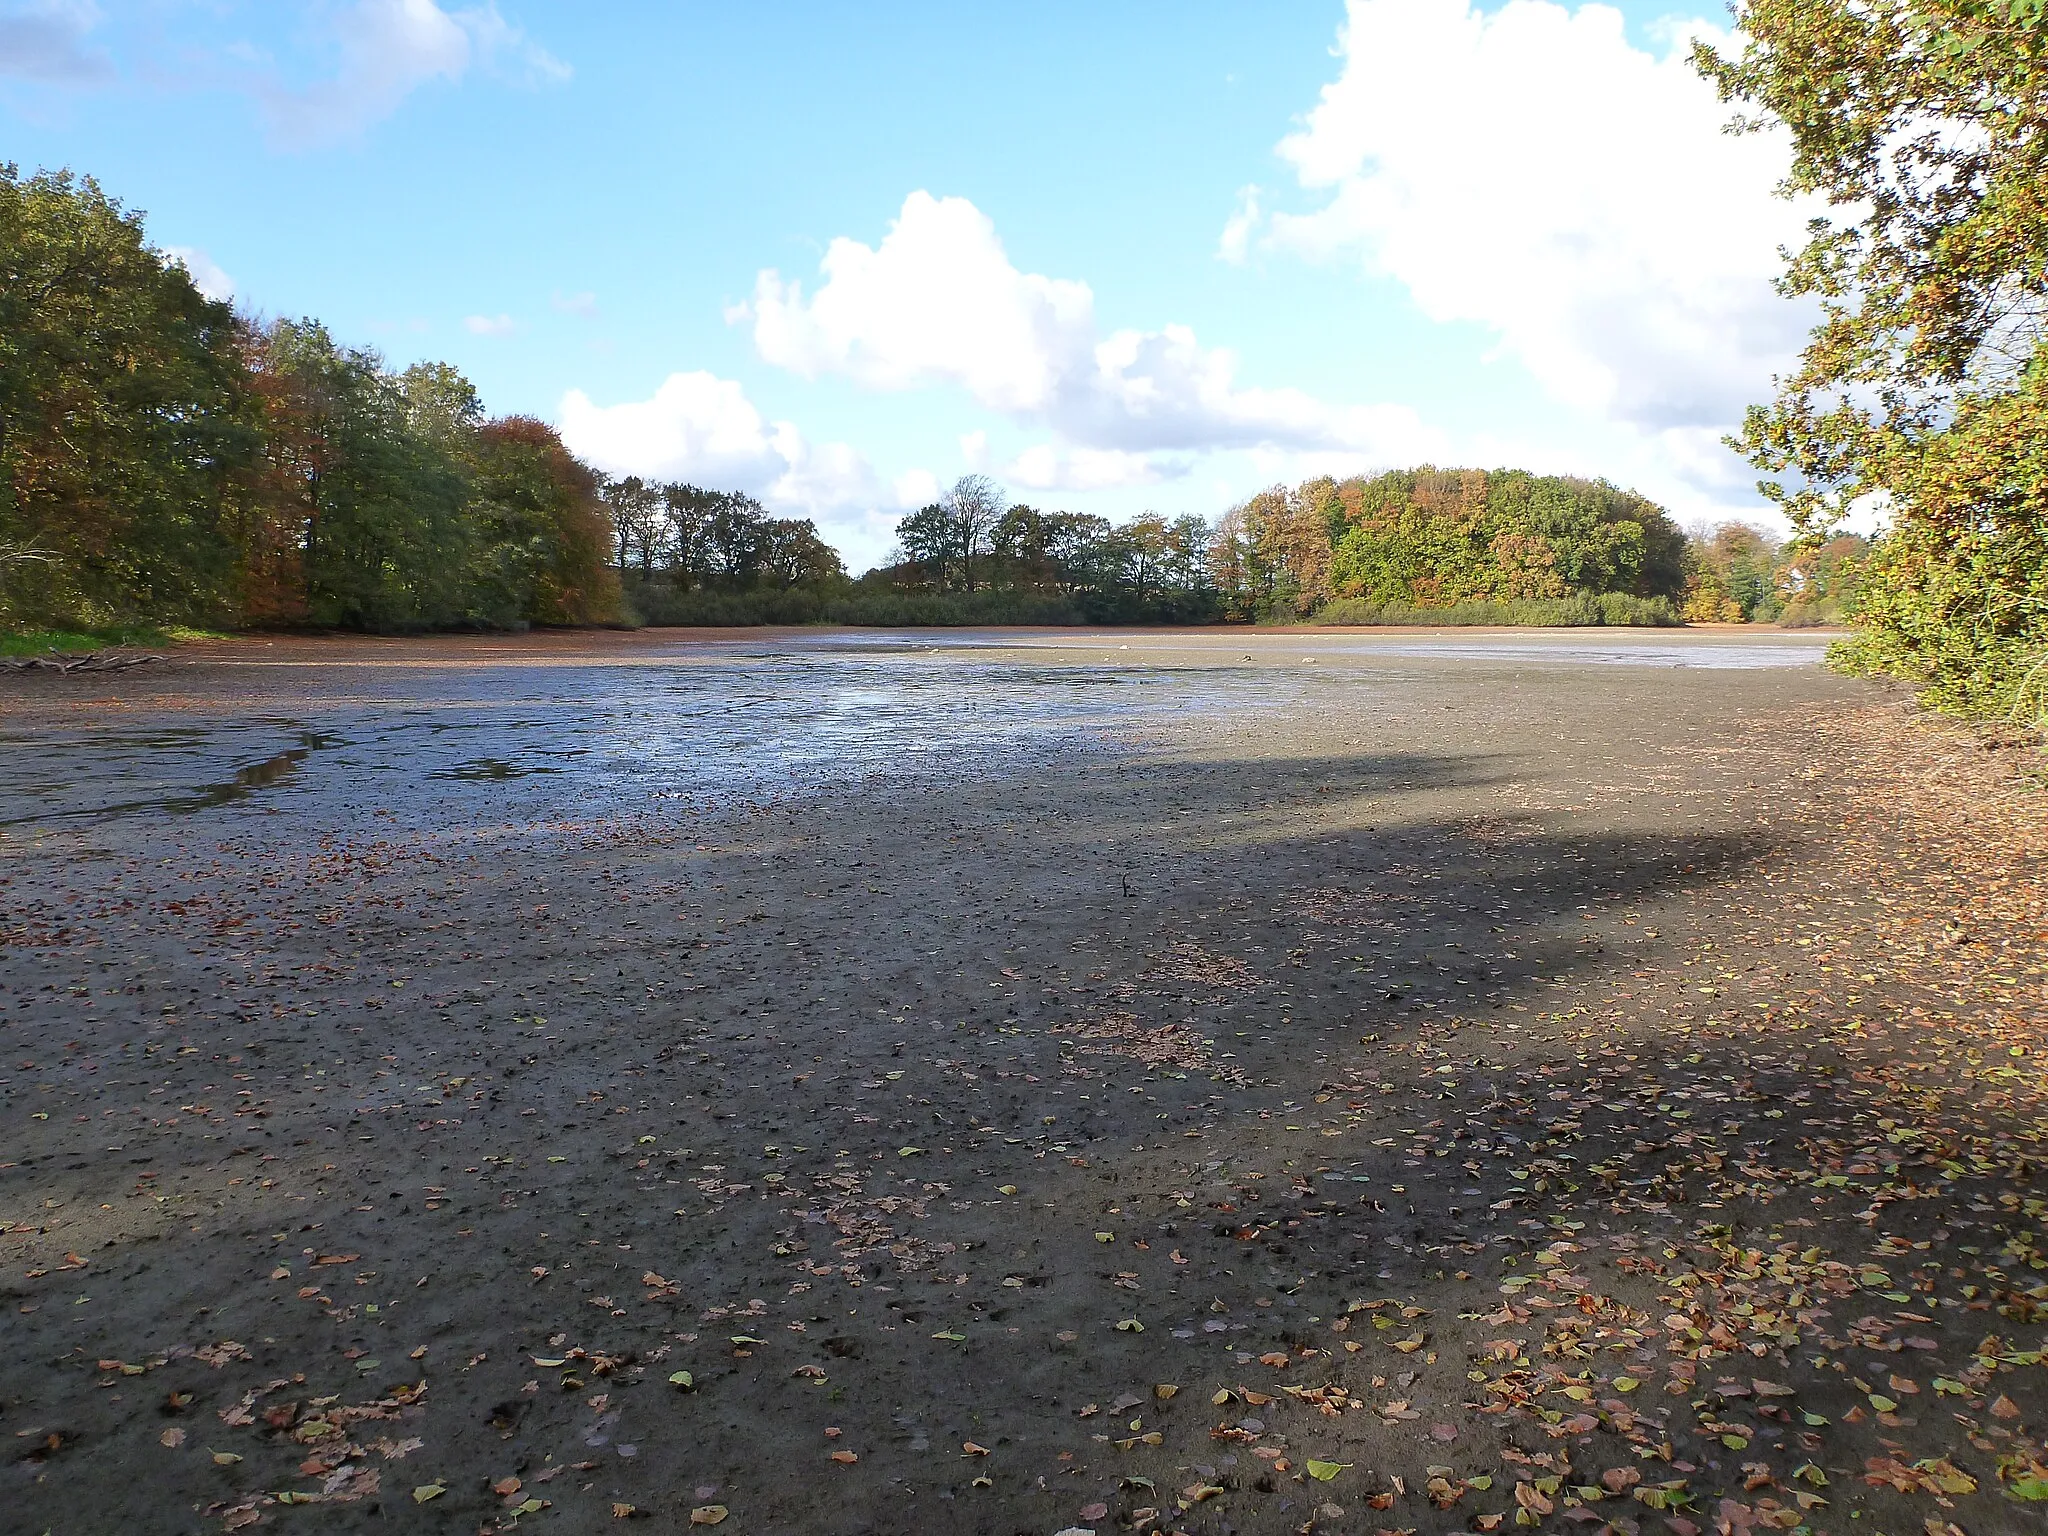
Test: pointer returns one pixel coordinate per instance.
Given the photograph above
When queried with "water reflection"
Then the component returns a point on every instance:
(439, 745)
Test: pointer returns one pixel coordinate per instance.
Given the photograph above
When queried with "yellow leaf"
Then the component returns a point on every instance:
(427, 1491)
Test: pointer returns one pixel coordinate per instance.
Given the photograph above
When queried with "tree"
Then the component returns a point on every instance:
(973, 507)
(544, 510)
(376, 510)
(122, 420)
(1923, 127)
(638, 519)
(797, 557)
(925, 540)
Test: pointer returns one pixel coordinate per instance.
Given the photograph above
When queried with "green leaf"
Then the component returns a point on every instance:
(957, 1338)
(682, 1379)
(1323, 1471)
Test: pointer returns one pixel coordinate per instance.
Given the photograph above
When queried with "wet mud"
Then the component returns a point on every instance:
(1012, 1082)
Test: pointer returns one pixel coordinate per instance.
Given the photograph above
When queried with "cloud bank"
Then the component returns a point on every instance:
(1531, 170)
(704, 430)
(48, 41)
(391, 48)
(938, 303)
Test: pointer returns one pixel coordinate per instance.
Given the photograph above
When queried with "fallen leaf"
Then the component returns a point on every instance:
(1324, 1471)
(707, 1514)
(427, 1491)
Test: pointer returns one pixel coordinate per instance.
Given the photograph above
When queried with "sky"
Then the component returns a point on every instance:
(1120, 258)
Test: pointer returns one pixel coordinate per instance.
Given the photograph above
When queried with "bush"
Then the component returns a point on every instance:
(662, 606)
(1617, 609)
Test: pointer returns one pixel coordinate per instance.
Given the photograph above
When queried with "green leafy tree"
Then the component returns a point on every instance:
(379, 507)
(540, 505)
(1922, 126)
(122, 420)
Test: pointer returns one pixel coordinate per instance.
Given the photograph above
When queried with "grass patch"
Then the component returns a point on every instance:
(41, 642)
(1583, 611)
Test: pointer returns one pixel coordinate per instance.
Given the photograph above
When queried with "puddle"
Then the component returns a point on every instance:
(243, 783)
(486, 769)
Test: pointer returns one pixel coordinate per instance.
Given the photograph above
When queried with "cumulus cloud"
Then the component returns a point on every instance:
(389, 49)
(490, 325)
(1236, 238)
(49, 40)
(204, 271)
(939, 302)
(1049, 467)
(700, 428)
(704, 430)
(1531, 170)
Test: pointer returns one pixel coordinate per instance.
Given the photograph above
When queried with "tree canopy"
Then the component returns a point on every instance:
(1922, 126)
(164, 459)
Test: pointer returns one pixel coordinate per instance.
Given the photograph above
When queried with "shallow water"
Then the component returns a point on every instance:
(490, 741)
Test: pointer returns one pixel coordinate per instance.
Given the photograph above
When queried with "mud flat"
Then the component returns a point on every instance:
(1016, 1081)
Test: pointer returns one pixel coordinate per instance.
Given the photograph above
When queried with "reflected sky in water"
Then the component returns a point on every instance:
(442, 745)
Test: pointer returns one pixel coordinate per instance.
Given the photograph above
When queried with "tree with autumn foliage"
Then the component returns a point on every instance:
(1433, 540)
(165, 460)
(122, 421)
(1922, 125)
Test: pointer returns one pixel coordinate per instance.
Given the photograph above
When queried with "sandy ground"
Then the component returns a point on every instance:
(1201, 1082)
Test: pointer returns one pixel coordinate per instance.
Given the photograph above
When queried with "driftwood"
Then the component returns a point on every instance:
(83, 661)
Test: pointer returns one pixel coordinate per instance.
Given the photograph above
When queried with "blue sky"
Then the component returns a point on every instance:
(1120, 257)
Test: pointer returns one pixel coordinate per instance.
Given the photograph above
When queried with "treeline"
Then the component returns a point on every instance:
(164, 459)
(1448, 539)
(1740, 574)
(1424, 546)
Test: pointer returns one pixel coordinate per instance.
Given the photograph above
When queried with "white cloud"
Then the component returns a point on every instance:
(1238, 228)
(1530, 170)
(704, 430)
(389, 49)
(1048, 467)
(581, 305)
(490, 325)
(938, 302)
(205, 273)
(47, 40)
(916, 488)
